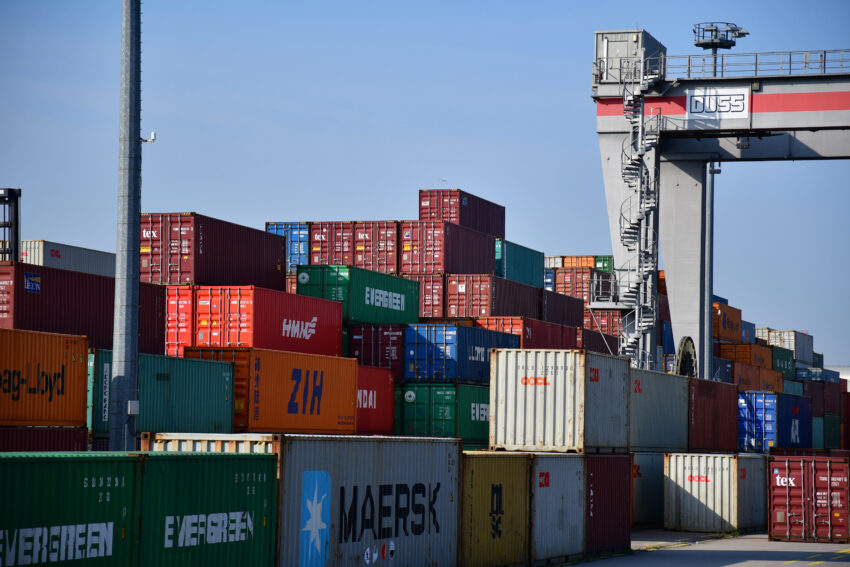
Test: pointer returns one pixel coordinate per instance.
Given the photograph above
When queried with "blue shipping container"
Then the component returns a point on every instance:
(718, 299)
(722, 370)
(748, 332)
(446, 352)
(667, 341)
(549, 279)
(766, 420)
(818, 374)
(297, 236)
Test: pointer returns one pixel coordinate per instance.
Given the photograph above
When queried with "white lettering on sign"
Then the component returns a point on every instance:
(713, 103)
(480, 412)
(795, 431)
(386, 299)
(149, 234)
(478, 354)
(785, 480)
(30, 546)
(207, 529)
(367, 399)
(299, 329)
(107, 378)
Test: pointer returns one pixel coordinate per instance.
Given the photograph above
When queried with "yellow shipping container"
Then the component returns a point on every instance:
(495, 509)
(43, 378)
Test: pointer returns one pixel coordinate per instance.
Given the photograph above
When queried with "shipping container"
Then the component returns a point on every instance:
(561, 309)
(579, 282)
(470, 295)
(376, 246)
(767, 420)
(367, 297)
(726, 323)
(817, 359)
(462, 208)
(808, 499)
(712, 416)
(722, 370)
(292, 282)
(746, 376)
(714, 492)
(495, 509)
(817, 374)
(608, 507)
(139, 508)
(770, 380)
(815, 391)
(248, 316)
(378, 345)
(748, 354)
(794, 387)
(67, 257)
(28, 439)
(763, 333)
(783, 360)
(748, 332)
(597, 342)
(332, 243)
(658, 411)
(375, 400)
(447, 352)
(558, 400)
(175, 394)
(38, 298)
(817, 433)
(604, 264)
(665, 335)
(831, 398)
(276, 391)
(179, 318)
(432, 294)
(557, 507)
(532, 333)
(647, 490)
(831, 431)
(518, 263)
(606, 321)
(42, 379)
(580, 262)
(663, 307)
(188, 248)
(446, 410)
(799, 343)
(440, 247)
(549, 279)
(297, 235)
(553, 262)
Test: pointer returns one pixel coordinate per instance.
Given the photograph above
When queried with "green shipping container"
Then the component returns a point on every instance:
(398, 407)
(604, 263)
(817, 359)
(518, 263)
(792, 387)
(817, 433)
(783, 361)
(176, 395)
(447, 410)
(143, 509)
(366, 296)
(831, 431)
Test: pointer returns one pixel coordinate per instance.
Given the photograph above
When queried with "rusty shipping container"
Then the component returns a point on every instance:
(557, 530)
(606, 321)
(576, 282)
(597, 342)
(188, 248)
(808, 498)
(376, 246)
(29, 439)
(43, 379)
(532, 333)
(712, 416)
(470, 295)
(38, 298)
(608, 503)
(276, 391)
(558, 400)
(770, 380)
(462, 208)
(432, 294)
(726, 323)
(439, 247)
(378, 345)
(375, 400)
(561, 309)
(753, 354)
(658, 411)
(746, 376)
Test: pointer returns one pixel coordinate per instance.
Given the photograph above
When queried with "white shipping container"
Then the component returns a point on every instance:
(67, 257)
(801, 344)
(553, 261)
(763, 333)
(714, 492)
(558, 400)
(648, 490)
(557, 506)
(658, 411)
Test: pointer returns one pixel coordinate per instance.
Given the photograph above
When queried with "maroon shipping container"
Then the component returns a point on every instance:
(608, 503)
(597, 342)
(38, 298)
(532, 333)
(712, 416)
(815, 390)
(100, 444)
(664, 307)
(469, 295)
(831, 398)
(188, 248)
(462, 208)
(380, 346)
(375, 400)
(332, 243)
(561, 309)
(808, 499)
(845, 420)
(607, 321)
(440, 247)
(746, 376)
(576, 282)
(24, 439)
(376, 246)
(255, 317)
(432, 294)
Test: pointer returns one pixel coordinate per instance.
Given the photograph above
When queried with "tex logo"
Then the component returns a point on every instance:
(315, 518)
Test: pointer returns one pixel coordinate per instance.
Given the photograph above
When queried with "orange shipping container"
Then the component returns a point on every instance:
(43, 378)
(727, 323)
(286, 392)
(579, 261)
(756, 355)
(746, 376)
(771, 380)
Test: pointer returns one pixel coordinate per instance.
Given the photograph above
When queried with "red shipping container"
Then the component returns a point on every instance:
(712, 416)
(808, 499)
(380, 346)
(188, 248)
(432, 294)
(608, 503)
(831, 398)
(470, 295)
(179, 318)
(292, 283)
(845, 420)
(462, 208)
(26, 439)
(607, 321)
(746, 376)
(576, 282)
(38, 298)
(332, 243)
(444, 248)
(376, 246)
(561, 309)
(571, 335)
(532, 333)
(248, 316)
(815, 390)
(375, 400)
(597, 342)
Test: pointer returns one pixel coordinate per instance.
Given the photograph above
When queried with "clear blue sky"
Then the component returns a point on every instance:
(342, 110)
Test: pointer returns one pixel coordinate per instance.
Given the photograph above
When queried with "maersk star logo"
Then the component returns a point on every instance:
(315, 518)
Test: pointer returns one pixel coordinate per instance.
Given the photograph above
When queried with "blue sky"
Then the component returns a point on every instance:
(269, 111)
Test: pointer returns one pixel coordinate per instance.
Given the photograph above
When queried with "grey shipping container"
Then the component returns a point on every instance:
(800, 343)
(658, 411)
(557, 506)
(648, 490)
(67, 257)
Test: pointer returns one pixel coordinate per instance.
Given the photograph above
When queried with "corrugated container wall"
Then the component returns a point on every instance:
(558, 400)
(179, 318)
(577, 282)
(553, 262)
(817, 359)
(488, 296)
(726, 323)
(748, 354)
(767, 420)
(712, 416)
(375, 392)
(658, 411)
(188, 248)
(597, 342)
(604, 263)
(67, 257)
(432, 294)
(532, 333)
(446, 410)
(332, 243)
(557, 507)
(608, 508)
(297, 235)
(561, 309)
(748, 332)
(783, 360)
(495, 509)
(801, 344)
(714, 492)
(794, 387)
(648, 489)
(42, 379)
(722, 370)
(376, 246)
(607, 321)
(518, 263)
(746, 376)
(27, 439)
(378, 345)
(462, 208)
(444, 248)
(815, 391)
